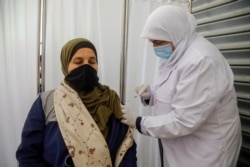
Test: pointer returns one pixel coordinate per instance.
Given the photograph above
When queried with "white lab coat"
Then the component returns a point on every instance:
(196, 114)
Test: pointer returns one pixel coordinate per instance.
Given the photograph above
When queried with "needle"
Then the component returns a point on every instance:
(128, 101)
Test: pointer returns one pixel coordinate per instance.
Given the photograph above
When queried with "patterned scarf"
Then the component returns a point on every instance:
(82, 136)
(101, 103)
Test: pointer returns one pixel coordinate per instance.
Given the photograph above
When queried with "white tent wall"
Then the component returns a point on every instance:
(90, 19)
(18, 64)
(99, 21)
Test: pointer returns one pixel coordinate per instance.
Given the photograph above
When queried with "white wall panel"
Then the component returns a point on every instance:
(226, 23)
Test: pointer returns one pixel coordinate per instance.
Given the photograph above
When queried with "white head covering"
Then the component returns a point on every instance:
(171, 23)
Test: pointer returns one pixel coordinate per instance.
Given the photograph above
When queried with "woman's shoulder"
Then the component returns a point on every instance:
(47, 93)
(47, 99)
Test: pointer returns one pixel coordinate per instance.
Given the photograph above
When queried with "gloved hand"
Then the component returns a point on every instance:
(143, 91)
(128, 117)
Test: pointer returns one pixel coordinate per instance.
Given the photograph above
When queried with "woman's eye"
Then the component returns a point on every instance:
(78, 62)
(92, 62)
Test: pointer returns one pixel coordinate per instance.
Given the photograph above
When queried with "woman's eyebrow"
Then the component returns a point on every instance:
(92, 57)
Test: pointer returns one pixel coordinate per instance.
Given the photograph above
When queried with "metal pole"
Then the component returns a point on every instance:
(41, 46)
(124, 51)
(190, 5)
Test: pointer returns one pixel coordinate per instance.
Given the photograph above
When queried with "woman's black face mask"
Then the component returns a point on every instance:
(83, 78)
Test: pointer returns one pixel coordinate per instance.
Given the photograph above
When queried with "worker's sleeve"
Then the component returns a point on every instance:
(29, 152)
(197, 93)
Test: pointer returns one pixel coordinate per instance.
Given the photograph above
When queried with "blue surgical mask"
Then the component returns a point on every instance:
(163, 51)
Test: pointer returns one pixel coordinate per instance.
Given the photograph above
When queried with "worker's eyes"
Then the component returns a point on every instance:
(158, 42)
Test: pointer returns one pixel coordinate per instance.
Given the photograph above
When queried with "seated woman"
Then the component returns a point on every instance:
(78, 123)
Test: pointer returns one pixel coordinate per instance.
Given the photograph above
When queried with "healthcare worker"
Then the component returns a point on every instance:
(196, 116)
